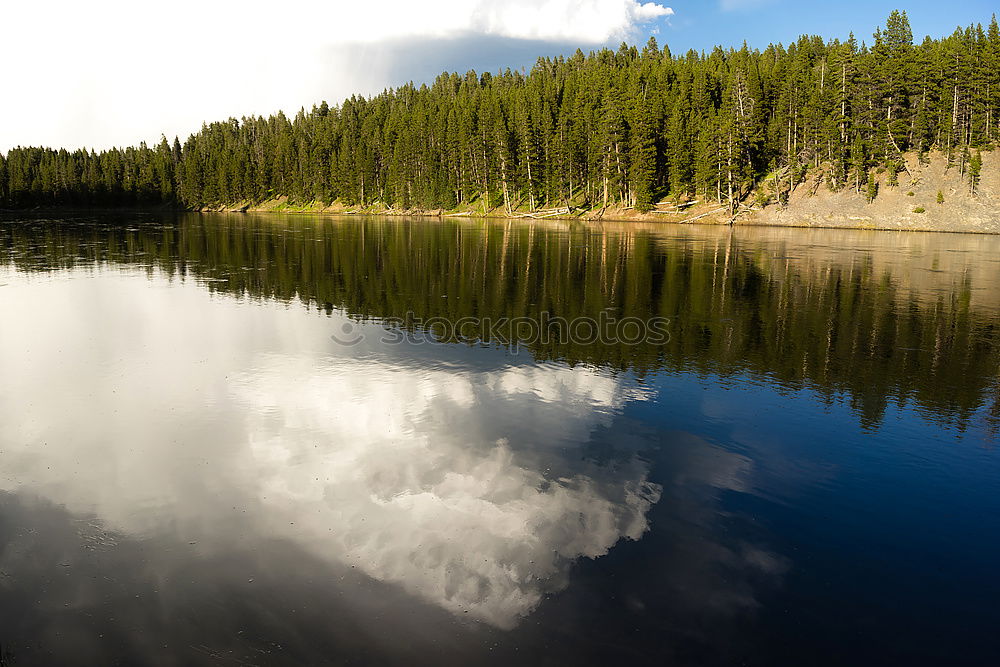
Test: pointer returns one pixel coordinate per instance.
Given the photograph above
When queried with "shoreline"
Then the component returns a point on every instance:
(585, 219)
(840, 222)
(912, 203)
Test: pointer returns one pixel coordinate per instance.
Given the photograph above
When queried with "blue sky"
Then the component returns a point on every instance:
(113, 73)
(695, 24)
(703, 24)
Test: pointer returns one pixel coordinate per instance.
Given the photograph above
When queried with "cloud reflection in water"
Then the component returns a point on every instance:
(379, 467)
(463, 484)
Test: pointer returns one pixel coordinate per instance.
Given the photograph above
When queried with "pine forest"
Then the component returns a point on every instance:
(611, 128)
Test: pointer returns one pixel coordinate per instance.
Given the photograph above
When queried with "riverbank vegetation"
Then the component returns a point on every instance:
(621, 129)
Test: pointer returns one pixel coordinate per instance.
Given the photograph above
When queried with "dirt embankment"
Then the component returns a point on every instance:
(911, 204)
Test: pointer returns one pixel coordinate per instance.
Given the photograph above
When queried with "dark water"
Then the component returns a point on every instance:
(248, 441)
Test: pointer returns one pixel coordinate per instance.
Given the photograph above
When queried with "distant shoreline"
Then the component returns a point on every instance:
(810, 205)
(753, 221)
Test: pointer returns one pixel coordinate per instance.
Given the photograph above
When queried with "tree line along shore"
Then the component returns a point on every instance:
(634, 132)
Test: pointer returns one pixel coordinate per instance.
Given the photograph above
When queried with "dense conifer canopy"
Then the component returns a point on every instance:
(612, 128)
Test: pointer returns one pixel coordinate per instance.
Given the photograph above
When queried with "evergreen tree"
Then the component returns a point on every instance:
(975, 171)
(609, 128)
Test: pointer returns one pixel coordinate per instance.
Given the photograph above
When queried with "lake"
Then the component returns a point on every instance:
(268, 440)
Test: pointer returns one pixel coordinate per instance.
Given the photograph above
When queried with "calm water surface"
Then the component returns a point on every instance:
(218, 446)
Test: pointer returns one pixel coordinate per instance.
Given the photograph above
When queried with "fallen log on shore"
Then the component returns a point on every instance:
(546, 213)
(703, 215)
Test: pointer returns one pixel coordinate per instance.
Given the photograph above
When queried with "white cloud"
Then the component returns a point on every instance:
(114, 72)
(587, 21)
